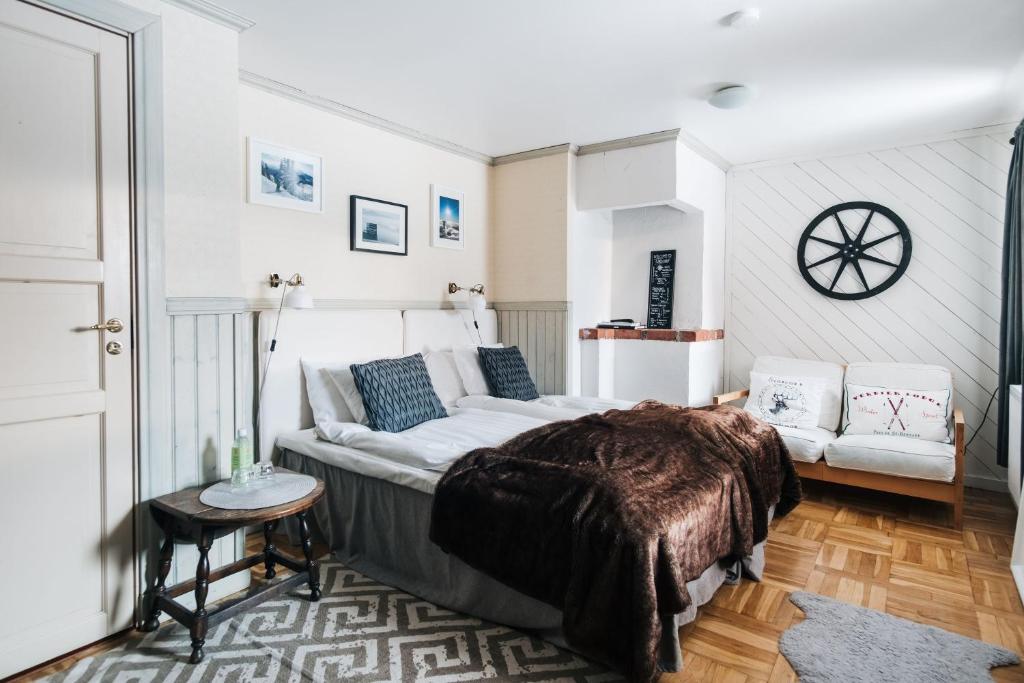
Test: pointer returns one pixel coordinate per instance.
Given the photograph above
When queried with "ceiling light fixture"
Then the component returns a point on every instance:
(742, 18)
(731, 97)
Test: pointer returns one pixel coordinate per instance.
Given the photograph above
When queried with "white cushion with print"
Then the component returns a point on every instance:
(908, 413)
(924, 378)
(893, 455)
(786, 401)
(831, 374)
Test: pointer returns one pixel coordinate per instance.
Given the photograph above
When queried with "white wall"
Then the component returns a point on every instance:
(201, 148)
(945, 309)
(590, 261)
(631, 176)
(638, 232)
(367, 161)
(702, 186)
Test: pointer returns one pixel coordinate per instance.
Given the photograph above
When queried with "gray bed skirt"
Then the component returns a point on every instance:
(381, 529)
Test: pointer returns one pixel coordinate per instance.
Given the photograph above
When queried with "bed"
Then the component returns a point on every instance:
(376, 515)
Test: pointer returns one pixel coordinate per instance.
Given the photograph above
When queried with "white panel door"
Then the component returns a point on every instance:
(66, 461)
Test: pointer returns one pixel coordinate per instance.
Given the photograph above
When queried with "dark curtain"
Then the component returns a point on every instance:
(1011, 344)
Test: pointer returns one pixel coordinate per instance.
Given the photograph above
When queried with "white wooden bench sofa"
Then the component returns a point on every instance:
(896, 464)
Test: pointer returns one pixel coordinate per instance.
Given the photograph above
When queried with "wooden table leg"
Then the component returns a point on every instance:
(198, 629)
(312, 565)
(269, 548)
(163, 569)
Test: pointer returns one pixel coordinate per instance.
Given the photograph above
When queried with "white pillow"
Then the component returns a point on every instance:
(444, 375)
(325, 400)
(467, 361)
(911, 413)
(786, 401)
(345, 383)
(339, 431)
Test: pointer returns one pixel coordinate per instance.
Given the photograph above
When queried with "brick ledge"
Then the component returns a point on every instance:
(688, 336)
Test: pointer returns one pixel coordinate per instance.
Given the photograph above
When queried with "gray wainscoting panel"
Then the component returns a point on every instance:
(212, 398)
(944, 310)
(539, 329)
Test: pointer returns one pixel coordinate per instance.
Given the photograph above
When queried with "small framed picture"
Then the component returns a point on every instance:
(447, 213)
(285, 178)
(379, 226)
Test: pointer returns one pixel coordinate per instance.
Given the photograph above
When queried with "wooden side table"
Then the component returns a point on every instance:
(182, 517)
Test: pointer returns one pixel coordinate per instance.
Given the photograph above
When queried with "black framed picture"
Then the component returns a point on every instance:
(379, 226)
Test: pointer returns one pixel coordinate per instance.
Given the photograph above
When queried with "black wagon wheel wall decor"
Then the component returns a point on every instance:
(854, 250)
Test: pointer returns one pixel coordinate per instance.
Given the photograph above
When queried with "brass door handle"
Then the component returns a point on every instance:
(112, 325)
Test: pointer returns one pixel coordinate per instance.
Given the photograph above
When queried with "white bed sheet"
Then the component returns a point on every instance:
(306, 443)
(552, 407)
(591, 404)
(406, 457)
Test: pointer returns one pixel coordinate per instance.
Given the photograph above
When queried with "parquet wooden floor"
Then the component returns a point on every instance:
(889, 553)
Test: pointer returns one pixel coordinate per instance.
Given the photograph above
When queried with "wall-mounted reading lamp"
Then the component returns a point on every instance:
(477, 303)
(295, 294)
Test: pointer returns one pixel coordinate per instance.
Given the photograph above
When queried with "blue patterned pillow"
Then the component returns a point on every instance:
(506, 373)
(397, 393)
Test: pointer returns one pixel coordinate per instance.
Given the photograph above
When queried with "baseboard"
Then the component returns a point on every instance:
(973, 481)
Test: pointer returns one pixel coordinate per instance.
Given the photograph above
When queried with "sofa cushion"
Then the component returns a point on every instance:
(830, 373)
(895, 455)
(806, 445)
(785, 400)
(898, 376)
(891, 411)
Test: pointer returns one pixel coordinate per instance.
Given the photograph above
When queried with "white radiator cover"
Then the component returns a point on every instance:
(1013, 473)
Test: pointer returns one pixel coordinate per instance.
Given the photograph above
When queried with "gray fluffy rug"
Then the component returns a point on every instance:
(359, 631)
(838, 642)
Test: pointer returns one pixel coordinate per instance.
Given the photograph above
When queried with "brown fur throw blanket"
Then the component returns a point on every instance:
(607, 517)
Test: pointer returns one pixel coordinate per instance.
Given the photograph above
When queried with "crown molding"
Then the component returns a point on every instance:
(625, 143)
(292, 93)
(566, 148)
(215, 13)
(993, 129)
(700, 149)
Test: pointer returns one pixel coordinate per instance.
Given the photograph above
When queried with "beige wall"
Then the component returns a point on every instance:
(201, 148)
(366, 161)
(530, 201)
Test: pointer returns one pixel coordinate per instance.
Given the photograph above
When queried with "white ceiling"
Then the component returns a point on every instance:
(502, 77)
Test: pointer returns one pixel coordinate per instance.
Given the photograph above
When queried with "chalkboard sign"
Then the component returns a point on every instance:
(659, 297)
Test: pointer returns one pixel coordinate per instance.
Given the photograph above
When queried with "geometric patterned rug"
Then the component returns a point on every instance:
(360, 630)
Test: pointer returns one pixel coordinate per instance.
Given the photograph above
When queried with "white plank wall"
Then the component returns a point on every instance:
(539, 330)
(212, 398)
(945, 309)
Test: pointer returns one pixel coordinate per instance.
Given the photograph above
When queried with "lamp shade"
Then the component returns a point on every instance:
(731, 97)
(298, 297)
(478, 303)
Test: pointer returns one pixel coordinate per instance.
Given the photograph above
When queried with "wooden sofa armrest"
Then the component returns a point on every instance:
(731, 396)
(959, 429)
(960, 444)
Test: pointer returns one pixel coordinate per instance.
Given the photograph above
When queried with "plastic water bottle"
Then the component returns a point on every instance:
(241, 459)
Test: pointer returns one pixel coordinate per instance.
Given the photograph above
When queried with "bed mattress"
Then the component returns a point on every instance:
(376, 517)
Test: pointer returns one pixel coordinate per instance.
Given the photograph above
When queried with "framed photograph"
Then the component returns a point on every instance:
(447, 211)
(285, 178)
(379, 226)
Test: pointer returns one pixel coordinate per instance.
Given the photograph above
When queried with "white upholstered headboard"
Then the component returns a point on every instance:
(346, 337)
(340, 336)
(444, 329)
